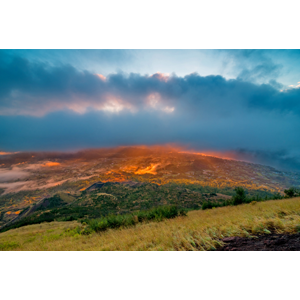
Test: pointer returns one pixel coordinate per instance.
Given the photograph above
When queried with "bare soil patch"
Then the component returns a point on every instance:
(267, 242)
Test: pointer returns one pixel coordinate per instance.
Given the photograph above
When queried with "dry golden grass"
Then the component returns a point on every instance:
(200, 230)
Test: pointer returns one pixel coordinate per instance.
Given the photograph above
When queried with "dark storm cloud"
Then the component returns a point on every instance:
(278, 159)
(80, 58)
(79, 109)
(69, 131)
(25, 85)
(41, 79)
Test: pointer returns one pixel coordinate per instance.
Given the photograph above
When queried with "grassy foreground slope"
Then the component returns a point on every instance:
(199, 230)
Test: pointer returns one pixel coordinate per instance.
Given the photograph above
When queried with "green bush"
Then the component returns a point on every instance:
(206, 205)
(292, 192)
(117, 221)
(98, 225)
(182, 212)
(240, 197)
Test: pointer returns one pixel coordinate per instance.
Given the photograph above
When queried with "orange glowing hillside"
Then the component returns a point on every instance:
(51, 164)
(27, 178)
(157, 164)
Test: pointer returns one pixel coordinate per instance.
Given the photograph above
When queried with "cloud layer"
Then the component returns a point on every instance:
(46, 106)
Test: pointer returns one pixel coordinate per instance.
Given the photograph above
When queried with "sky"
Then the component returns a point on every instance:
(246, 102)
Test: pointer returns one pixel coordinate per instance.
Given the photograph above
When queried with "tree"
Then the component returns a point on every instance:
(240, 196)
(291, 192)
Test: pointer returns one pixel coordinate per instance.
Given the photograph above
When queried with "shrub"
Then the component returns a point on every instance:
(291, 192)
(277, 196)
(69, 218)
(87, 230)
(117, 221)
(206, 205)
(182, 212)
(129, 220)
(114, 221)
(98, 225)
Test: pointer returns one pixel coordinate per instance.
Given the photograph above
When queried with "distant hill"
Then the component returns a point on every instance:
(102, 199)
(28, 178)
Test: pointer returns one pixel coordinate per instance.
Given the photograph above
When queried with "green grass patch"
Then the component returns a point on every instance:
(8, 246)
